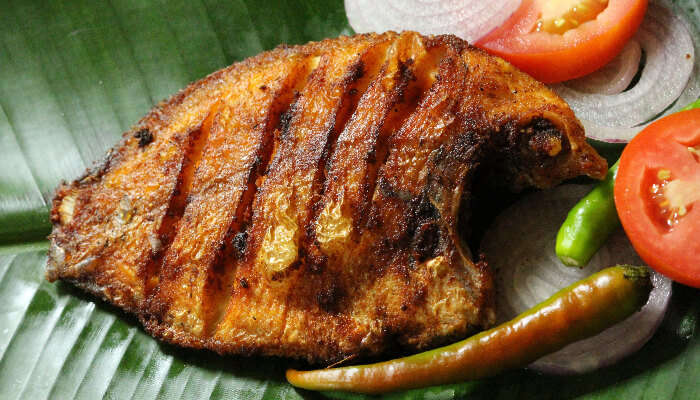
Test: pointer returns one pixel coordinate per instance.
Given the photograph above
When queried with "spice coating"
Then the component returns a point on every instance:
(304, 202)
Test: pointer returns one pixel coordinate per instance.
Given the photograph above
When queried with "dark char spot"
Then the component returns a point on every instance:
(144, 136)
(240, 241)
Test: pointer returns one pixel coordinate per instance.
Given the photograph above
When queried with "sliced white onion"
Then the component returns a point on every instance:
(468, 19)
(630, 335)
(613, 78)
(519, 246)
(669, 75)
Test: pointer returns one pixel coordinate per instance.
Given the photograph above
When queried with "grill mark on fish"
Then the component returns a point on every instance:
(327, 290)
(187, 260)
(407, 152)
(359, 77)
(192, 154)
(303, 152)
(344, 194)
(237, 145)
(414, 245)
(283, 203)
(420, 74)
(221, 279)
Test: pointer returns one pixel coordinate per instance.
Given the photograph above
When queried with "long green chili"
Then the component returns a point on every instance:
(576, 312)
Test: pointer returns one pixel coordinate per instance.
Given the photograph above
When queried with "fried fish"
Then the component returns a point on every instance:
(304, 202)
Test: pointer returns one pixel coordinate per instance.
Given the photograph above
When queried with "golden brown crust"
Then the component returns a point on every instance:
(304, 202)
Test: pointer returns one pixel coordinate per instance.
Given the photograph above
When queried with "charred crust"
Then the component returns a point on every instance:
(527, 154)
(144, 136)
(452, 41)
(326, 161)
(355, 72)
(426, 241)
(424, 230)
(387, 190)
(426, 209)
(329, 298)
(278, 276)
(405, 76)
(374, 220)
(240, 243)
(257, 164)
(543, 136)
(286, 120)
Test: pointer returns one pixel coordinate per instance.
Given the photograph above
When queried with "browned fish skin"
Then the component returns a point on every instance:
(304, 202)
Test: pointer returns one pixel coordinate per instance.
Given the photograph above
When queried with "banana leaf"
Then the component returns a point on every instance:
(73, 76)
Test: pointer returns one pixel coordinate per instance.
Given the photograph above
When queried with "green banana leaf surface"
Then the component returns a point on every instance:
(73, 76)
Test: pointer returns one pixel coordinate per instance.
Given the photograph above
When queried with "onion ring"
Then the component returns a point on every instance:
(468, 19)
(519, 246)
(669, 77)
(613, 78)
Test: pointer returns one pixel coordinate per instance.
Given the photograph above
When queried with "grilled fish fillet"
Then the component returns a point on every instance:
(304, 202)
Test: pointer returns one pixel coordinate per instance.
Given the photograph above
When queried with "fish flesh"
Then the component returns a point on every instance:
(305, 202)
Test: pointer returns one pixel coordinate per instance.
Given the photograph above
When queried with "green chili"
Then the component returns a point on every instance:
(592, 220)
(574, 313)
(589, 223)
(695, 104)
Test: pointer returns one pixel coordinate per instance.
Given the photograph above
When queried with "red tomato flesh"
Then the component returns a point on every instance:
(576, 42)
(657, 195)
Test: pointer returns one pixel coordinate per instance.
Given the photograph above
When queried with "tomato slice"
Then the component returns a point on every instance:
(657, 195)
(575, 37)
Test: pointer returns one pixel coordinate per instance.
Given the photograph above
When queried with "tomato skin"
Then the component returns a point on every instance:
(554, 58)
(675, 251)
